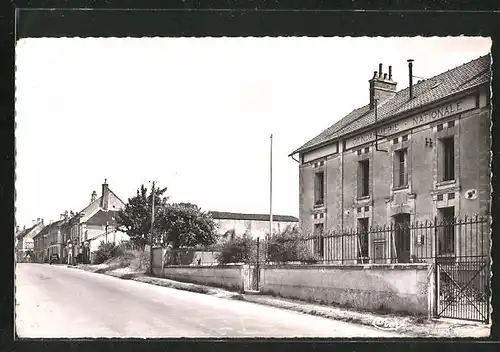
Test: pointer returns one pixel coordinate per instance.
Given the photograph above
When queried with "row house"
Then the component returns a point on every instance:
(24, 241)
(418, 155)
(48, 241)
(83, 231)
(80, 233)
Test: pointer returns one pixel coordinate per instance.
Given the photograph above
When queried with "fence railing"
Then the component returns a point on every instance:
(445, 241)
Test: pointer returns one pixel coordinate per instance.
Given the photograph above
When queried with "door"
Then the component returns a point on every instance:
(402, 237)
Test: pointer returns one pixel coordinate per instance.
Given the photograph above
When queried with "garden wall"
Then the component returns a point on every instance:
(394, 287)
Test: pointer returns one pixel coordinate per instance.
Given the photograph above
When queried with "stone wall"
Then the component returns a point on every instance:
(396, 288)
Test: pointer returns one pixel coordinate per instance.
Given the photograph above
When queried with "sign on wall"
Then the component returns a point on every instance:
(321, 152)
(417, 120)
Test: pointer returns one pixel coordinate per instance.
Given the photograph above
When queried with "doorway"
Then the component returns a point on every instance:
(402, 237)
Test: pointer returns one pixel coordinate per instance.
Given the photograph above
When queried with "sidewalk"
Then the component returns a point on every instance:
(406, 325)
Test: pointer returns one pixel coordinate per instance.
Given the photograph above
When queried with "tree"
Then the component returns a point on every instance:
(135, 218)
(237, 250)
(289, 246)
(185, 225)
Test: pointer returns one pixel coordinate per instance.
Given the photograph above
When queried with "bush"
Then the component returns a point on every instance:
(106, 251)
(236, 250)
(127, 245)
(289, 246)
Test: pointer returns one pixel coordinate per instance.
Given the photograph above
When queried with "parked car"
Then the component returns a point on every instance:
(54, 259)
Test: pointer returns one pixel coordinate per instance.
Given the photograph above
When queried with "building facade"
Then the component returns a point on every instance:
(254, 225)
(48, 241)
(83, 231)
(25, 243)
(415, 155)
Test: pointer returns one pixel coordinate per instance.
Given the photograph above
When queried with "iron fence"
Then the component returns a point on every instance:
(444, 240)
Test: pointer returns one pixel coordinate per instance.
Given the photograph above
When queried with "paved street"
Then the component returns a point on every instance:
(56, 301)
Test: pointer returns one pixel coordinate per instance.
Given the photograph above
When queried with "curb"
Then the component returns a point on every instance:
(364, 319)
(348, 318)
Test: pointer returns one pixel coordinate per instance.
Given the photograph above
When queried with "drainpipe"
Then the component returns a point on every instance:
(341, 145)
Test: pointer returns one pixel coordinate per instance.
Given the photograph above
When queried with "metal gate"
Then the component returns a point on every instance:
(251, 271)
(462, 280)
(251, 277)
(463, 290)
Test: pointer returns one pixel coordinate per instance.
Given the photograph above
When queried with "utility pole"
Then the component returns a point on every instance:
(271, 189)
(152, 227)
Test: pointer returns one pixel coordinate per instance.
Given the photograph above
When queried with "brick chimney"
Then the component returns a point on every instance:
(17, 229)
(382, 87)
(93, 197)
(105, 195)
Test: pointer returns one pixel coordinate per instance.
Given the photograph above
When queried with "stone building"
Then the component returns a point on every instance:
(421, 153)
(48, 241)
(254, 225)
(93, 223)
(24, 241)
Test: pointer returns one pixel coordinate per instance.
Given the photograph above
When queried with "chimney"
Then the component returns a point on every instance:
(382, 87)
(33, 222)
(17, 228)
(38, 220)
(410, 76)
(93, 197)
(105, 195)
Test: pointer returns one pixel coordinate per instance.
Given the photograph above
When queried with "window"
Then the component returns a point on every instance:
(448, 159)
(363, 237)
(363, 178)
(319, 247)
(446, 231)
(319, 188)
(400, 168)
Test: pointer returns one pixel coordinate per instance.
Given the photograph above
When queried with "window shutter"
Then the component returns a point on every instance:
(315, 189)
(395, 169)
(360, 179)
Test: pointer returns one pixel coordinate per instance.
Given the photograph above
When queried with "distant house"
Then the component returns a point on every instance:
(24, 241)
(25, 245)
(254, 225)
(85, 230)
(48, 241)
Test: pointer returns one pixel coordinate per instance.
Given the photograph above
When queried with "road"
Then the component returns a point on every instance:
(56, 301)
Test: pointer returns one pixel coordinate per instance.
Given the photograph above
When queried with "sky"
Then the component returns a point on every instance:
(193, 114)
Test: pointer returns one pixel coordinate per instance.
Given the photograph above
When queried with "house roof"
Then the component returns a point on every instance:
(49, 227)
(24, 232)
(459, 79)
(220, 215)
(34, 230)
(90, 210)
(101, 216)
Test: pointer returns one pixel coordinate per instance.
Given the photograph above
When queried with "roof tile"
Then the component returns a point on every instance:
(466, 76)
